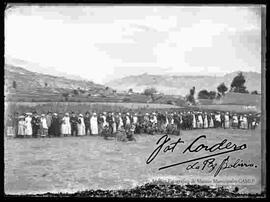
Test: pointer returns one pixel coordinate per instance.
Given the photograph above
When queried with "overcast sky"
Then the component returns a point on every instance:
(101, 43)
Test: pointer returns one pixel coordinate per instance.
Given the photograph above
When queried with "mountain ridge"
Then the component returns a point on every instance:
(180, 84)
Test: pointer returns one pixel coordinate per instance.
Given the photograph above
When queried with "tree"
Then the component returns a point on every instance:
(222, 88)
(14, 84)
(46, 84)
(150, 92)
(254, 92)
(75, 92)
(65, 95)
(130, 90)
(106, 88)
(237, 84)
(203, 94)
(190, 96)
(212, 95)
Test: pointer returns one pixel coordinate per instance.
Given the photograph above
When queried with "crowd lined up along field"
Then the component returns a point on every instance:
(60, 120)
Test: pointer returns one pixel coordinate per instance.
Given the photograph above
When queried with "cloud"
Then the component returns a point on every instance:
(96, 42)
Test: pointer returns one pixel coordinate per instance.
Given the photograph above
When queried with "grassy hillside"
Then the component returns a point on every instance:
(37, 87)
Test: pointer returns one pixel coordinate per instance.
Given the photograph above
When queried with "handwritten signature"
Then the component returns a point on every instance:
(222, 147)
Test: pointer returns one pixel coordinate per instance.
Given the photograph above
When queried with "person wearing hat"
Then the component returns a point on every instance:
(114, 126)
(16, 123)
(235, 121)
(205, 120)
(9, 126)
(49, 122)
(210, 120)
(194, 120)
(227, 120)
(65, 126)
(21, 126)
(244, 122)
(43, 126)
(55, 126)
(35, 124)
(249, 119)
(200, 121)
(104, 118)
(74, 124)
(94, 124)
(127, 121)
(81, 126)
(218, 120)
(28, 129)
(119, 121)
(222, 118)
(109, 120)
(87, 123)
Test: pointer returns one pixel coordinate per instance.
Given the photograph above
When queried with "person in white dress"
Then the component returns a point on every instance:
(114, 124)
(218, 120)
(211, 124)
(121, 124)
(235, 121)
(200, 121)
(21, 126)
(194, 121)
(227, 120)
(66, 127)
(244, 122)
(205, 121)
(28, 125)
(94, 124)
(127, 120)
(43, 126)
(105, 123)
(81, 126)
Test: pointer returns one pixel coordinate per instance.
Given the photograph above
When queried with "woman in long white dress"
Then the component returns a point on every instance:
(120, 121)
(66, 127)
(205, 123)
(211, 124)
(194, 121)
(227, 120)
(43, 126)
(94, 124)
(21, 126)
(28, 125)
(114, 123)
(81, 126)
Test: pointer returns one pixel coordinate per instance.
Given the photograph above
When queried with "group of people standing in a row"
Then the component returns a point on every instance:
(109, 124)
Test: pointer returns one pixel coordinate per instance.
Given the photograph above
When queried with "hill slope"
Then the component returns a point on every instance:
(180, 85)
(33, 85)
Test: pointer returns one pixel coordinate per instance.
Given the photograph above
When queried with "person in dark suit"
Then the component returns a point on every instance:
(35, 124)
(74, 124)
(87, 123)
(55, 126)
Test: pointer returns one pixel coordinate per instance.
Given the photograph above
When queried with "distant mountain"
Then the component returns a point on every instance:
(180, 85)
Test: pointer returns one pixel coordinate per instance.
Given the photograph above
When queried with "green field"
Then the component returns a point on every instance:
(69, 164)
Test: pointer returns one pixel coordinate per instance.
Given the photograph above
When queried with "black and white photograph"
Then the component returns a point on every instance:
(135, 101)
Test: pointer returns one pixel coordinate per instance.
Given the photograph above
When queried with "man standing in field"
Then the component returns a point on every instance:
(16, 123)
(73, 123)
(35, 124)
(49, 122)
(87, 123)
(55, 126)
(9, 125)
